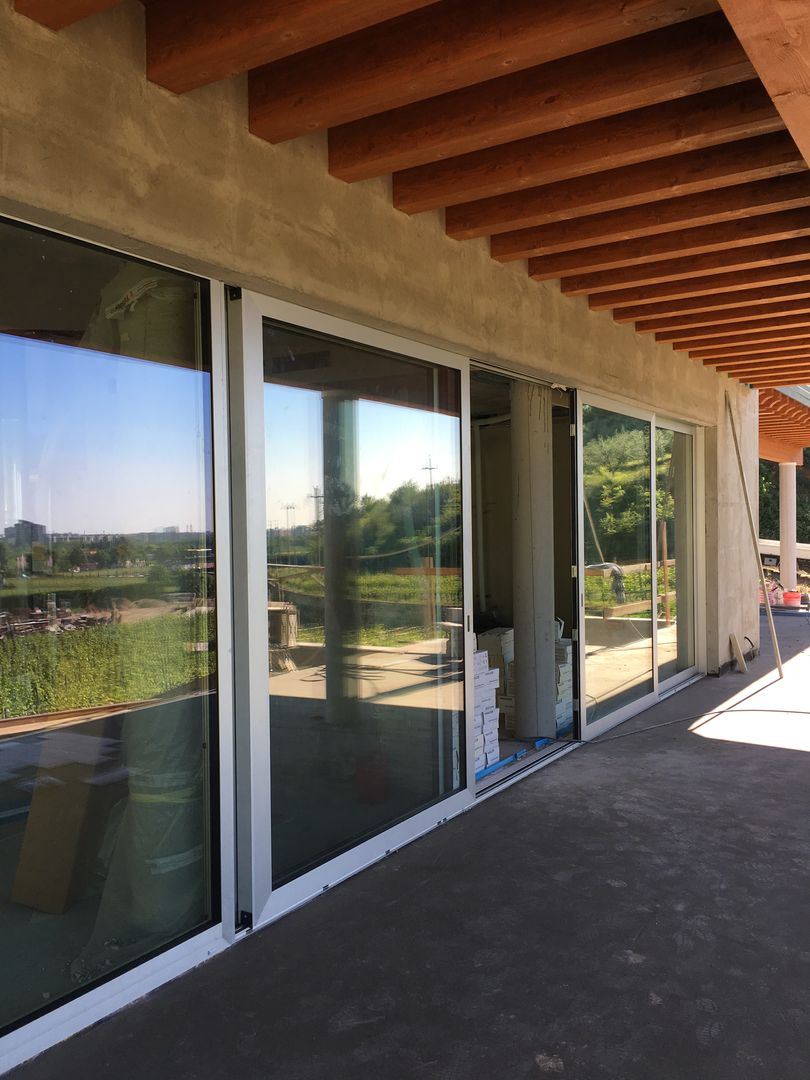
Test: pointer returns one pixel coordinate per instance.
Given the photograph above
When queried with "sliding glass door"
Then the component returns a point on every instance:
(352, 628)
(674, 473)
(363, 498)
(638, 553)
(618, 586)
(108, 650)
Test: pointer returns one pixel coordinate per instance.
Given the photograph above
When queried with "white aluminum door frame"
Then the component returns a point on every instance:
(98, 1002)
(246, 312)
(599, 727)
(666, 686)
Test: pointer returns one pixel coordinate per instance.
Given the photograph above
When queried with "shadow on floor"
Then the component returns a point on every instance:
(637, 911)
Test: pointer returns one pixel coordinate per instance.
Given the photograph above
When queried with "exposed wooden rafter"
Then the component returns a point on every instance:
(752, 299)
(724, 284)
(57, 14)
(740, 162)
(666, 64)
(629, 150)
(691, 123)
(750, 257)
(776, 339)
(706, 208)
(757, 228)
(193, 42)
(750, 314)
(452, 45)
(775, 35)
(777, 323)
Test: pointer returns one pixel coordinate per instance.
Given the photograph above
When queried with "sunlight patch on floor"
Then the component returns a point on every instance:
(773, 715)
(758, 729)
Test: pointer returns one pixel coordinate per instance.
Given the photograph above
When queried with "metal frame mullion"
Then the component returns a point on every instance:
(654, 550)
(249, 538)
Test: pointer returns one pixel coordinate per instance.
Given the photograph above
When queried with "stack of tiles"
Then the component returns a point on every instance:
(565, 686)
(485, 711)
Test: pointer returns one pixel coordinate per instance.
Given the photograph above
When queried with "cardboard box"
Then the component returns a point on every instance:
(485, 699)
(487, 680)
(480, 661)
(490, 741)
(499, 644)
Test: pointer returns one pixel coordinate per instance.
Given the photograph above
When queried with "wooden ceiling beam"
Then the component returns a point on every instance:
(777, 323)
(674, 127)
(190, 43)
(775, 36)
(696, 287)
(454, 44)
(766, 339)
(753, 256)
(761, 366)
(789, 350)
(722, 236)
(724, 316)
(798, 379)
(787, 431)
(772, 417)
(741, 162)
(771, 377)
(689, 211)
(699, 55)
(57, 14)
(796, 288)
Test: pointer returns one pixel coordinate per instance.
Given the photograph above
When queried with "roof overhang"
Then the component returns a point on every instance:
(652, 156)
(784, 427)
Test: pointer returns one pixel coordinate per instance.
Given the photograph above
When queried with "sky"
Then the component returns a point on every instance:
(96, 443)
(395, 443)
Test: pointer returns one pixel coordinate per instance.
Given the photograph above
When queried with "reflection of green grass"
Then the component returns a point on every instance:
(373, 635)
(383, 587)
(40, 584)
(46, 672)
(599, 590)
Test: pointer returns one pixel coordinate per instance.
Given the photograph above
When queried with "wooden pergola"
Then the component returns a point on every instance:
(784, 427)
(651, 155)
(784, 432)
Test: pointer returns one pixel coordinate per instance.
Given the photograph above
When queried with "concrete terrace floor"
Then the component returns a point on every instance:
(639, 910)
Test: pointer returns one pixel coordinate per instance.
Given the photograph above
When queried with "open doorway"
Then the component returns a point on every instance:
(524, 598)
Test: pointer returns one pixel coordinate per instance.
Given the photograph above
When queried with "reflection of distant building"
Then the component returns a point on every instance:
(25, 533)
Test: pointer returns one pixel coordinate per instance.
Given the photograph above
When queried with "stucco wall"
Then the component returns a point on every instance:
(90, 147)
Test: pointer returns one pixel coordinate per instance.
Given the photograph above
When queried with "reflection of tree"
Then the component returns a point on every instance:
(617, 485)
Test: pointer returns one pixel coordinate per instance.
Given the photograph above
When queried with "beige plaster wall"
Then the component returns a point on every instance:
(88, 146)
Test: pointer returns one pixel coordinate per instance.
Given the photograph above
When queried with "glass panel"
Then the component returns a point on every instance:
(107, 649)
(618, 579)
(364, 592)
(675, 538)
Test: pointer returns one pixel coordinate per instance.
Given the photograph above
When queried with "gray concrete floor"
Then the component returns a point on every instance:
(637, 911)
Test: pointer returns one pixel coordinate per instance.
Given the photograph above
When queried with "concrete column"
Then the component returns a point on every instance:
(787, 524)
(533, 560)
(339, 501)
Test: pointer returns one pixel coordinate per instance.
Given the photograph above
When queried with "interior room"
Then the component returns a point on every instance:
(523, 589)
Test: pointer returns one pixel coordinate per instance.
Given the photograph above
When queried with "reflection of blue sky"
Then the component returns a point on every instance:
(94, 443)
(394, 445)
